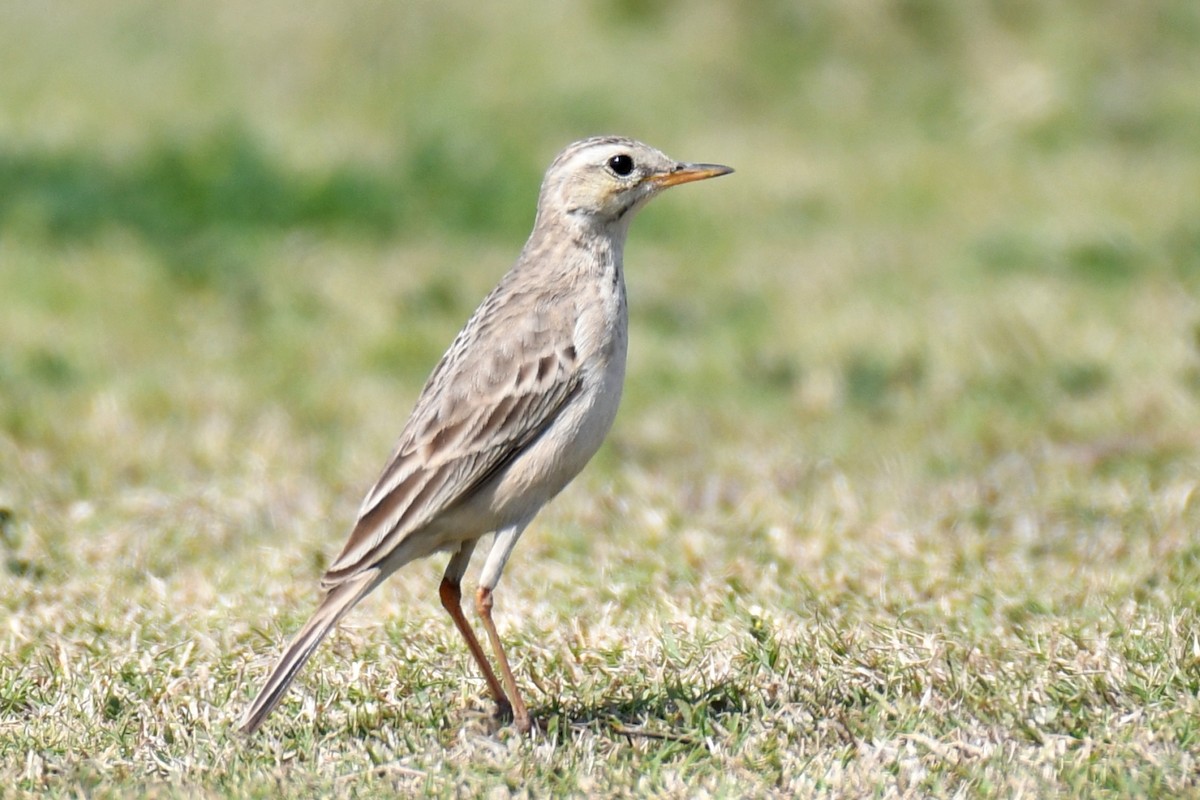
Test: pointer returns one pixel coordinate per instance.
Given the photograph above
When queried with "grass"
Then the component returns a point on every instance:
(903, 496)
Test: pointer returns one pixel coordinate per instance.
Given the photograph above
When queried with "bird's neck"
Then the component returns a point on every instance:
(581, 242)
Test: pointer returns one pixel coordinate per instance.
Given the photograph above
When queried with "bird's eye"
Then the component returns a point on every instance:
(621, 165)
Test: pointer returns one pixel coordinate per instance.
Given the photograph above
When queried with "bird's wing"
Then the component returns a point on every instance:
(499, 387)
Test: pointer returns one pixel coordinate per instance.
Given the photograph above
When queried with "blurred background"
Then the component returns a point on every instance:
(234, 239)
(912, 396)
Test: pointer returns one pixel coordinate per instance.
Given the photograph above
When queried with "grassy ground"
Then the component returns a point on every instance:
(904, 495)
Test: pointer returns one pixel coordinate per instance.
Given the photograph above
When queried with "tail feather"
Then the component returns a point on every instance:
(336, 604)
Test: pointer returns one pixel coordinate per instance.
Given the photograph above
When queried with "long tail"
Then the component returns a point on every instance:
(337, 602)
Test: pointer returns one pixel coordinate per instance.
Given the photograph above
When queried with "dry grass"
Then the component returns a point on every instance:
(903, 498)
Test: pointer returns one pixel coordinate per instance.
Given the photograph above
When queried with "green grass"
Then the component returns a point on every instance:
(903, 499)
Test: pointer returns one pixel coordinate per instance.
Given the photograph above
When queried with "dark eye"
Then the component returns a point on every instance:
(621, 165)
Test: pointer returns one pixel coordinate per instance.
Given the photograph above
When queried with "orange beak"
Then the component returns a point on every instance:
(686, 173)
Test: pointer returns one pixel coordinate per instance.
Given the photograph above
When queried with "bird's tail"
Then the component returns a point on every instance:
(337, 602)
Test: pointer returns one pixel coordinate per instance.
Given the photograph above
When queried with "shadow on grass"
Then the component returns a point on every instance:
(668, 712)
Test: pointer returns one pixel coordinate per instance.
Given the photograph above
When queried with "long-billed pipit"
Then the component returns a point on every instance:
(515, 408)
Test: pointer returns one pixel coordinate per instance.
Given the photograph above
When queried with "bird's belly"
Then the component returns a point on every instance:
(550, 462)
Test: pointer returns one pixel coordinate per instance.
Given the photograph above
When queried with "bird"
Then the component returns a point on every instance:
(512, 412)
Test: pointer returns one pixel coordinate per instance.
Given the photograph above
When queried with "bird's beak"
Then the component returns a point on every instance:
(686, 173)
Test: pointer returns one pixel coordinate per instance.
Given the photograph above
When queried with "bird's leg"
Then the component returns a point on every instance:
(483, 602)
(502, 547)
(451, 594)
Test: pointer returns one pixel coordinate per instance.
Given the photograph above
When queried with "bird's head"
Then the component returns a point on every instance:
(598, 182)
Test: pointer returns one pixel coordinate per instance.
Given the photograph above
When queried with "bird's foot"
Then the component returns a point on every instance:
(503, 712)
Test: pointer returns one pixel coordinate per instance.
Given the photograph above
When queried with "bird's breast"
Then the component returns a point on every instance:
(561, 452)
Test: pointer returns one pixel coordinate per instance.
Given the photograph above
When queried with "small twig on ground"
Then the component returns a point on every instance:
(625, 730)
(395, 768)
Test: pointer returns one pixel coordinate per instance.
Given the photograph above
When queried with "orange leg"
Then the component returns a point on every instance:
(483, 601)
(451, 596)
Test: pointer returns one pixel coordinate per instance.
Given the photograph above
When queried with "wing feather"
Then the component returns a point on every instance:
(469, 424)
